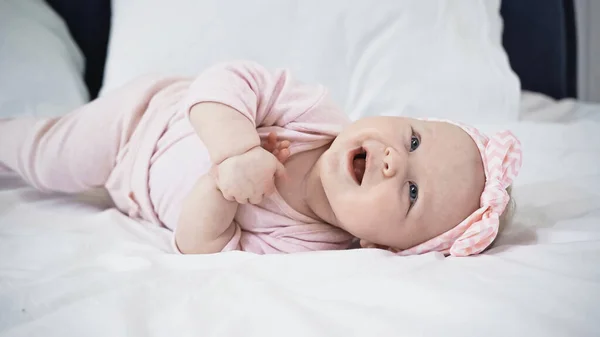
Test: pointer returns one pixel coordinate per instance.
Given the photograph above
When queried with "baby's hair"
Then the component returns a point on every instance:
(506, 217)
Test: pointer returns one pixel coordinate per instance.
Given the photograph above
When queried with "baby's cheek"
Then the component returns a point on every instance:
(385, 202)
(350, 207)
(382, 211)
(354, 212)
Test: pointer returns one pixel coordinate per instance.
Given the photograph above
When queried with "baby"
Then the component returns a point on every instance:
(241, 158)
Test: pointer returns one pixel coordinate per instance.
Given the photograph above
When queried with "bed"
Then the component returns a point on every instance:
(75, 266)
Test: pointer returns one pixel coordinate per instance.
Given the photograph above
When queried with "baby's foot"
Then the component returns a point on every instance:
(279, 149)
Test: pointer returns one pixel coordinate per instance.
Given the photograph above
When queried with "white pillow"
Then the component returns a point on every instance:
(433, 58)
(40, 65)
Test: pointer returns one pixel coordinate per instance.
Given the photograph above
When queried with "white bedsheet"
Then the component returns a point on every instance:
(73, 267)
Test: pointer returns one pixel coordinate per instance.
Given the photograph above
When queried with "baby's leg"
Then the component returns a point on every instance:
(75, 152)
(69, 154)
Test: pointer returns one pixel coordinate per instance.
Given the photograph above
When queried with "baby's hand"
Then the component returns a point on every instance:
(249, 177)
(277, 148)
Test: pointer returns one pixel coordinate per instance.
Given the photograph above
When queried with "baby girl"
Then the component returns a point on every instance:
(241, 158)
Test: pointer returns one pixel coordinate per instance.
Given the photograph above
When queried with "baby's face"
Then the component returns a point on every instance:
(397, 182)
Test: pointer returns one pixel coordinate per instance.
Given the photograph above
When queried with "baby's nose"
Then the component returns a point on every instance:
(392, 162)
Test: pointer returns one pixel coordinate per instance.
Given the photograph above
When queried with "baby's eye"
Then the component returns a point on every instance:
(413, 193)
(414, 142)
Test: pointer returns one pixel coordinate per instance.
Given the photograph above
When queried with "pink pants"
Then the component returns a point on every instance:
(85, 148)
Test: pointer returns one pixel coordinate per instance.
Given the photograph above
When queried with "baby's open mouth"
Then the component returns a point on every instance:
(359, 164)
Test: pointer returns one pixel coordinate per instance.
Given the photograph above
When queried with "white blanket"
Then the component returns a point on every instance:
(70, 266)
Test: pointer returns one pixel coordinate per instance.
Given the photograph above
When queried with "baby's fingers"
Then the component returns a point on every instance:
(270, 143)
(283, 144)
(268, 146)
(282, 155)
(228, 196)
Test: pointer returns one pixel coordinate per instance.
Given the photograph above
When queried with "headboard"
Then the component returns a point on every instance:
(539, 38)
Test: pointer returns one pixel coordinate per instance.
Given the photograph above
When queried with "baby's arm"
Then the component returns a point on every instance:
(206, 221)
(224, 131)
(226, 104)
(207, 218)
(229, 101)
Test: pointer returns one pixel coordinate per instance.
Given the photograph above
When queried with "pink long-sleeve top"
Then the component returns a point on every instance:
(165, 156)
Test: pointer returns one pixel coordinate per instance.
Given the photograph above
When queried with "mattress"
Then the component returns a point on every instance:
(74, 266)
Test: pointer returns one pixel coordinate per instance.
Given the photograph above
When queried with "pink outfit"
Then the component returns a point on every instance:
(138, 142)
